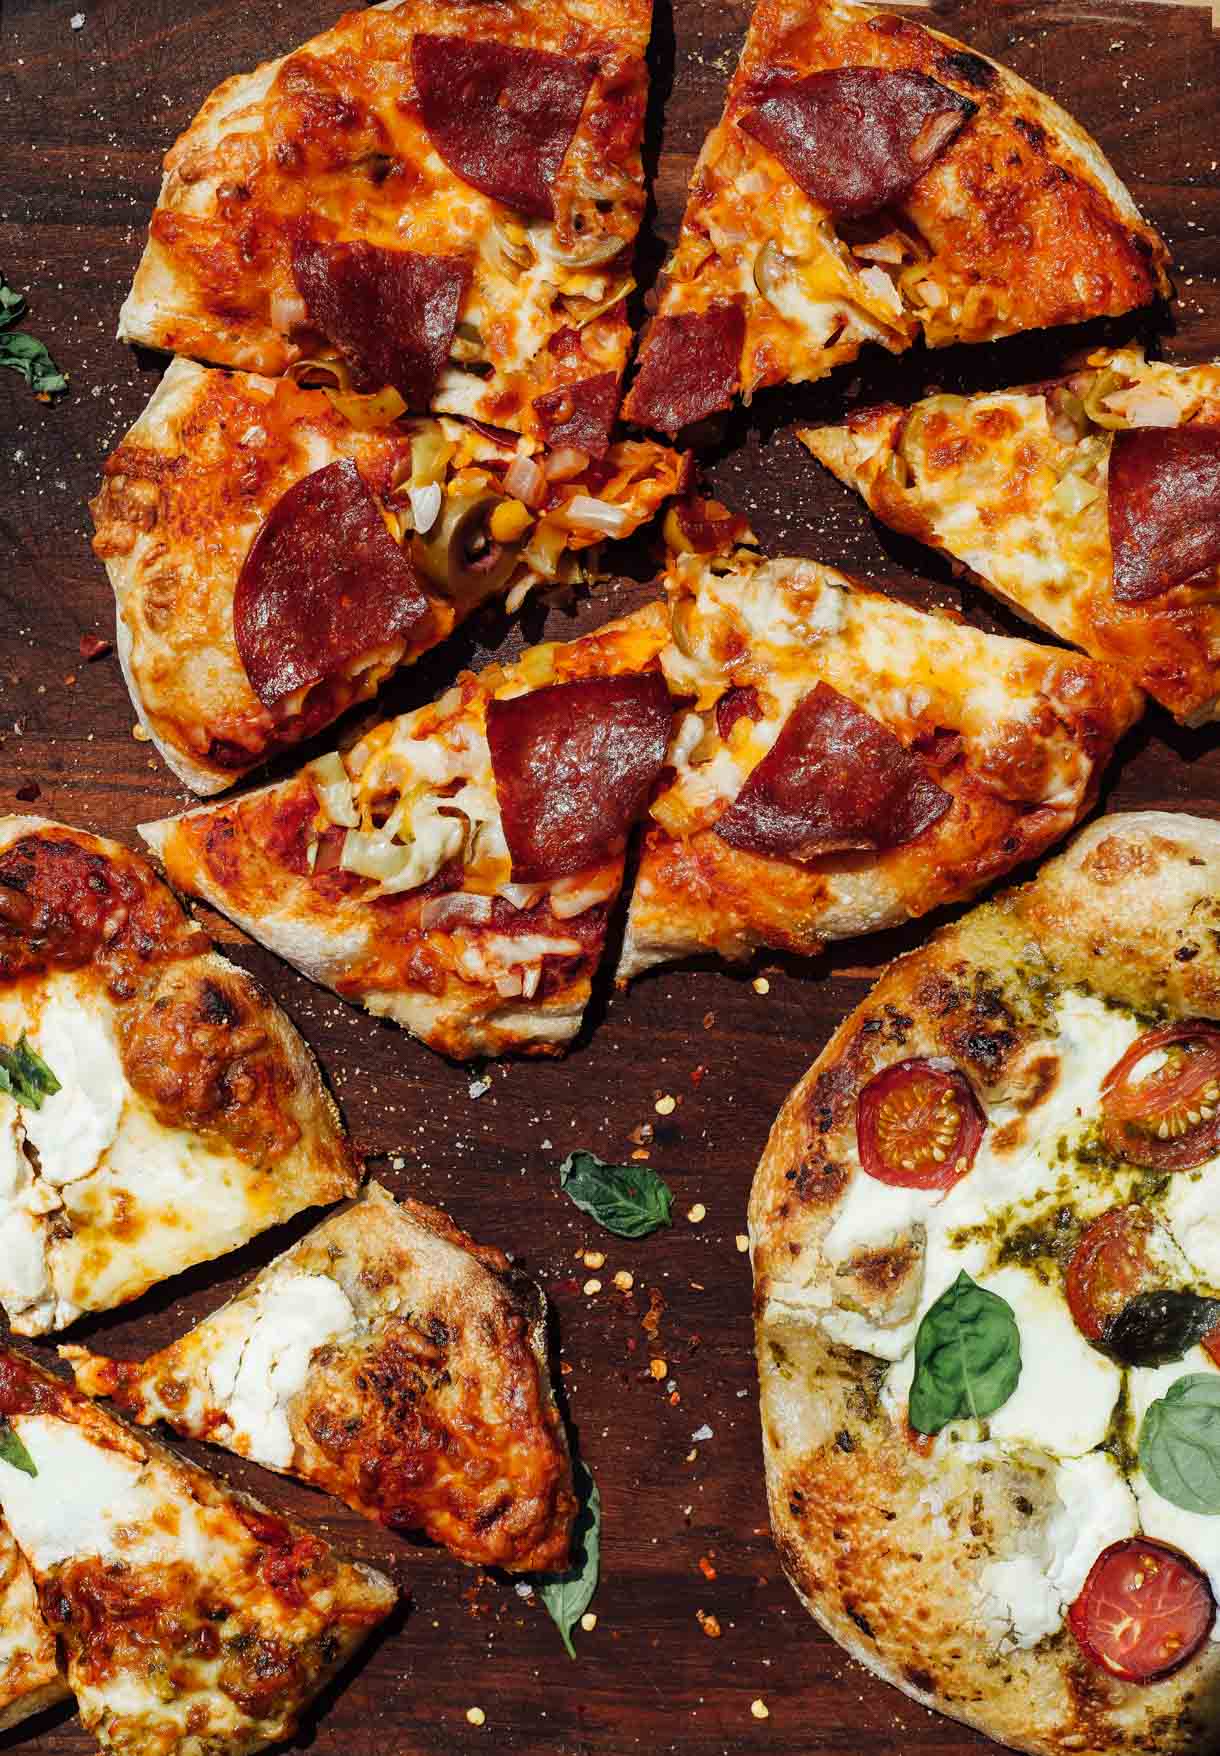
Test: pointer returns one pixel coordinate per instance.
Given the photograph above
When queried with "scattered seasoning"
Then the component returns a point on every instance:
(761, 985)
(665, 1105)
(701, 1434)
(477, 1087)
(93, 646)
(624, 1281)
(594, 1259)
(697, 1214)
(590, 1287)
(476, 1716)
(743, 1242)
(706, 1568)
(659, 1369)
(588, 1621)
(650, 1322)
(709, 1020)
(709, 1624)
(759, 1709)
(140, 733)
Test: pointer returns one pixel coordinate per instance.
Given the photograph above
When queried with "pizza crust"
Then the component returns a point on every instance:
(888, 1548)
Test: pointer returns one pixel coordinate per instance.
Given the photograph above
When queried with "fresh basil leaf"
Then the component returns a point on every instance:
(1179, 1443)
(25, 1075)
(26, 354)
(967, 1357)
(567, 1595)
(12, 305)
(629, 1200)
(1154, 1329)
(13, 1451)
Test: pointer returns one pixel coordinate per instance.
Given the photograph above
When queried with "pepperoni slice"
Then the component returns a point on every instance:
(501, 116)
(580, 414)
(1144, 1611)
(690, 366)
(857, 139)
(835, 779)
(323, 586)
(390, 313)
(573, 766)
(918, 1125)
(1114, 1260)
(1160, 1104)
(1164, 508)
(738, 703)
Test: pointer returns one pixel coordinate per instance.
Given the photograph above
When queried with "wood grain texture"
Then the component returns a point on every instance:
(85, 116)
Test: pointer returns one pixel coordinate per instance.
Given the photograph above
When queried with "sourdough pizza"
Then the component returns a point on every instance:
(871, 180)
(156, 1109)
(277, 551)
(1091, 505)
(455, 870)
(391, 1360)
(986, 1246)
(30, 1677)
(440, 198)
(192, 1620)
(846, 761)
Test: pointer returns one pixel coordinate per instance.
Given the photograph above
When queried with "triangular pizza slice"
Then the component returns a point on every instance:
(156, 1108)
(391, 1360)
(847, 762)
(277, 551)
(456, 868)
(190, 1617)
(1091, 505)
(871, 180)
(442, 199)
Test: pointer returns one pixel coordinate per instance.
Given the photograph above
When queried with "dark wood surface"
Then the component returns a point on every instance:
(85, 115)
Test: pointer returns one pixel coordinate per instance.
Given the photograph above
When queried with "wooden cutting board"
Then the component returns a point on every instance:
(89, 101)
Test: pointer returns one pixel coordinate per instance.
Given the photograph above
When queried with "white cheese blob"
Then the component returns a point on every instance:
(1066, 1393)
(77, 1124)
(82, 1498)
(260, 1368)
(25, 1283)
(1191, 1206)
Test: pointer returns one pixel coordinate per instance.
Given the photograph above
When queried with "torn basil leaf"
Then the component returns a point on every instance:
(24, 353)
(1154, 1329)
(967, 1357)
(629, 1200)
(12, 305)
(1179, 1443)
(567, 1595)
(13, 1451)
(25, 1076)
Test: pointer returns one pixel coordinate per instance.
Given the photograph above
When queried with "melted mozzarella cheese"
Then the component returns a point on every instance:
(1191, 1206)
(86, 1499)
(262, 1365)
(1066, 1393)
(76, 1124)
(25, 1281)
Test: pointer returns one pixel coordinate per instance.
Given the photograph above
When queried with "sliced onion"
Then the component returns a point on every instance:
(368, 414)
(525, 481)
(529, 980)
(287, 311)
(425, 506)
(373, 856)
(599, 515)
(521, 896)
(572, 896)
(565, 462)
(508, 985)
(460, 907)
(1144, 406)
(327, 853)
(334, 790)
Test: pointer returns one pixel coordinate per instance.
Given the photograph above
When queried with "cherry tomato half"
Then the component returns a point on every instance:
(1144, 1611)
(1169, 1117)
(918, 1125)
(1114, 1260)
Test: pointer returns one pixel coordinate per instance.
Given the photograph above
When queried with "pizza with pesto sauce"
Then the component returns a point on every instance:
(391, 1360)
(156, 1109)
(986, 1248)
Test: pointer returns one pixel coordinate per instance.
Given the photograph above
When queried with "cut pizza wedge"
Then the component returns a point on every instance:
(191, 1618)
(30, 1677)
(847, 762)
(391, 1360)
(985, 1236)
(871, 180)
(276, 552)
(1090, 505)
(455, 870)
(443, 200)
(156, 1108)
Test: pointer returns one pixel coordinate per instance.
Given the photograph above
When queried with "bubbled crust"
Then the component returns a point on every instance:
(438, 1418)
(844, 1483)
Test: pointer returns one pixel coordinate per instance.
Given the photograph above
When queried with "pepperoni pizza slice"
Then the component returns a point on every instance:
(277, 551)
(986, 1249)
(156, 1109)
(1090, 505)
(438, 198)
(190, 1617)
(455, 870)
(847, 761)
(871, 180)
(391, 1360)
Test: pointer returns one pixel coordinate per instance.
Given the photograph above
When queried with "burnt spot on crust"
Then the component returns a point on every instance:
(968, 69)
(880, 1271)
(1032, 132)
(844, 1440)
(859, 1618)
(920, 1679)
(1115, 859)
(1041, 1078)
(819, 1181)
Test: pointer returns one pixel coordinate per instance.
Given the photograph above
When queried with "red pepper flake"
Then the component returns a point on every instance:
(698, 1075)
(28, 792)
(709, 1020)
(650, 1322)
(709, 1624)
(706, 1568)
(93, 646)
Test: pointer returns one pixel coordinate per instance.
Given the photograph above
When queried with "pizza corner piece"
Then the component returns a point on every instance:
(392, 1361)
(845, 761)
(456, 869)
(1091, 505)
(277, 550)
(30, 1678)
(443, 201)
(156, 1108)
(986, 1251)
(872, 181)
(189, 1616)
